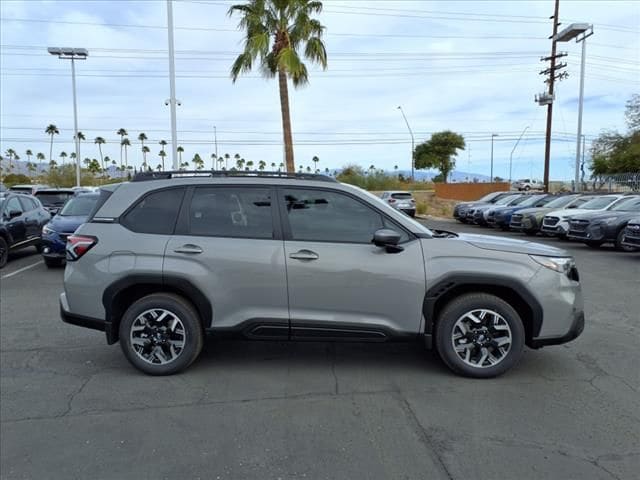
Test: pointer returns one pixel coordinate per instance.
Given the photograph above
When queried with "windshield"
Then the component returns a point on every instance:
(560, 202)
(527, 202)
(598, 203)
(627, 205)
(79, 206)
(507, 200)
(53, 199)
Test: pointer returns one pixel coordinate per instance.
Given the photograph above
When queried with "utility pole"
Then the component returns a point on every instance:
(549, 97)
(493, 135)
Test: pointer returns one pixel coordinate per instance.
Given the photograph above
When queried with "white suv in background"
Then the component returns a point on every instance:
(527, 184)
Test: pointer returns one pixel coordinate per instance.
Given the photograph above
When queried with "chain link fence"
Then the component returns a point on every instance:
(614, 183)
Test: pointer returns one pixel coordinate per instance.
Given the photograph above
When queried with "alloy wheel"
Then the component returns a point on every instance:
(481, 338)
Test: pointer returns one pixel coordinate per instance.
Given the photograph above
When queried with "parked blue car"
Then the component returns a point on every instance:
(501, 217)
(54, 235)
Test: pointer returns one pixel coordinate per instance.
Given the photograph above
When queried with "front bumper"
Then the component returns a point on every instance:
(577, 327)
(559, 230)
(631, 240)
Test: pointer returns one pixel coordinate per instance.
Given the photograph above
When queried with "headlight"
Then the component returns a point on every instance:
(48, 230)
(559, 264)
(607, 220)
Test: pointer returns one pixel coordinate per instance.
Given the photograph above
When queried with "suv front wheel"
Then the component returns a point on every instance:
(161, 334)
(479, 335)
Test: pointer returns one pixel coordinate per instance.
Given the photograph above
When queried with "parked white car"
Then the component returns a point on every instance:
(556, 223)
(527, 184)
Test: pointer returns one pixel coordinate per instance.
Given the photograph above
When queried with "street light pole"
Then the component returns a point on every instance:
(413, 142)
(513, 150)
(579, 31)
(493, 135)
(73, 54)
(172, 87)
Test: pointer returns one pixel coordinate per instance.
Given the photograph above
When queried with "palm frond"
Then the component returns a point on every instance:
(241, 65)
(316, 52)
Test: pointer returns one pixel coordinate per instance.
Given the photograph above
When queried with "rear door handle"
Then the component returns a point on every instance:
(304, 255)
(188, 248)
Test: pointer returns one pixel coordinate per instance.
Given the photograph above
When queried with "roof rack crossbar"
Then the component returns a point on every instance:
(166, 175)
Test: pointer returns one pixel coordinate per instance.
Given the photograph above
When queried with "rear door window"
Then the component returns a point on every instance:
(155, 213)
(27, 204)
(237, 212)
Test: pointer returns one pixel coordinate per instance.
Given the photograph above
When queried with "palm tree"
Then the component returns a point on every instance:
(51, 130)
(180, 150)
(100, 141)
(142, 137)
(40, 157)
(280, 167)
(250, 164)
(80, 138)
(52, 165)
(31, 167)
(308, 169)
(159, 167)
(29, 154)
(261, 165)
(62, 156)
(123, 133)
(276, 32)
(213, 161)
(273, 166)
(197, 161)
(10, 153)
(126, 143)
(315, 161)
(226, 160)
(162, 154)
(326, 171)
(145, 150)
(221, 161)
(106, 161)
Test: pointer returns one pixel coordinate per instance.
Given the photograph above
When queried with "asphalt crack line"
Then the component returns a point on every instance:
(425, 437)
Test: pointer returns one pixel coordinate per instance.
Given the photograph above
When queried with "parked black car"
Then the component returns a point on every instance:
(21, 220)
(53, 199)
(632, 234)
(460, 210)
(607, 226)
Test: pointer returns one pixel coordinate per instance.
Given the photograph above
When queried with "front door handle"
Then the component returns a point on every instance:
(304, 255)
(188, 248)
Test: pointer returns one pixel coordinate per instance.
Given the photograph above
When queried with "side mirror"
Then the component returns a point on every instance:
(387, 239)
(14, 213)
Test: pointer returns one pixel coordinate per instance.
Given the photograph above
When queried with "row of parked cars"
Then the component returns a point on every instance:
(594, 219)
(42, 217)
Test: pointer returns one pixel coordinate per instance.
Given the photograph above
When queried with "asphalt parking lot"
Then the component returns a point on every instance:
(72, 407)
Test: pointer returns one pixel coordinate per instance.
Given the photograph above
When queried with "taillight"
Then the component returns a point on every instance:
(78, 245)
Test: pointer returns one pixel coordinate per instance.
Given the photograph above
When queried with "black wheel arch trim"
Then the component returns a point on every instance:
(171, 283)
(455, 281)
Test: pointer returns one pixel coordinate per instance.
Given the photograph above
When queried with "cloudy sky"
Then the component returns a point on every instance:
(468, 66)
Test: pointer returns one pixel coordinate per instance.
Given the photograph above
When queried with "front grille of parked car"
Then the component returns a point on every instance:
(550, 221)
(578, 225)
(516, 220)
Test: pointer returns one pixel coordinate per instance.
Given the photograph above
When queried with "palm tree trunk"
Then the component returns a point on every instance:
(51, 149)
(286, 120)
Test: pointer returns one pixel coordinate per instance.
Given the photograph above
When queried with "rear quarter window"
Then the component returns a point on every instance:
(155, 213)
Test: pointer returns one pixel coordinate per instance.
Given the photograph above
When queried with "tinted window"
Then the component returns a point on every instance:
(13, 204)
(53, 199)
(231, 212)
(627, 205)
(598, 203)
(27, 204)
(330, 217)
(401, 196)
(79, 206)
(155, 213)
(560, 202)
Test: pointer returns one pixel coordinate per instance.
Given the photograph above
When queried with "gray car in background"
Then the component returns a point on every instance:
(402, 201)
(169, 257)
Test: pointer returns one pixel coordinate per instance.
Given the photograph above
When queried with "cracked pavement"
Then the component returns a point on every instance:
(72, 407)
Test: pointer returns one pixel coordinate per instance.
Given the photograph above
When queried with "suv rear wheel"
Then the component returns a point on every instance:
(479, 335)
(4, 252)
(161, 334)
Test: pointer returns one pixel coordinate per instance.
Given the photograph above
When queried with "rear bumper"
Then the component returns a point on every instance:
(577, 327)
(86, 322)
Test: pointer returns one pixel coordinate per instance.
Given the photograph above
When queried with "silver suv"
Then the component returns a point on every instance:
(172, 256)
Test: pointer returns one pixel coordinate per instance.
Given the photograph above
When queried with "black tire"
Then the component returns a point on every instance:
(619, 246)
(530, 233)
(53, 262)
(527, 188)
(180, 308)
(454, 311)
(4, 252)
(593, 243)
(39, 248)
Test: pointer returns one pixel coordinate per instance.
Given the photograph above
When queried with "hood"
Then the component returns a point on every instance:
(66, 224)
(471, 204)
(570, 212)
(598, 214)
(503, 244)
(534, 210)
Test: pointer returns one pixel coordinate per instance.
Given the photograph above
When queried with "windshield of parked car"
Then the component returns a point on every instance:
(79, 206)
(560, 202)
(507, 200)
(529, 201)
(627, 205)
(598, 203)
(53, 199)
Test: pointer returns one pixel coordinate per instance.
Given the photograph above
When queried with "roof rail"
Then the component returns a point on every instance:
(166, 175)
